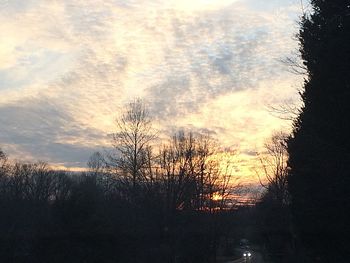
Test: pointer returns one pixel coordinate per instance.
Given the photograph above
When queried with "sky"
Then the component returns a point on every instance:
(67, 67)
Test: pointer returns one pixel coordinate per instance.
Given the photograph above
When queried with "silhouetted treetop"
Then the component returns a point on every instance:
(318, 149)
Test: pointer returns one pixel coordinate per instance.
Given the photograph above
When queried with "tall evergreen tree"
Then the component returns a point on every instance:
(319, 148)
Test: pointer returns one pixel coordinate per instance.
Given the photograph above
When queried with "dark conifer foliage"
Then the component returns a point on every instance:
(319, 146)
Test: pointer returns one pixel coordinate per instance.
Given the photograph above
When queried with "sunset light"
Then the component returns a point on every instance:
(174, 131)
(200, 65)
(217, 197)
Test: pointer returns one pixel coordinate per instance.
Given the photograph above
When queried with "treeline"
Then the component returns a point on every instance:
(311, 223)
(318, 149)
(136, 203)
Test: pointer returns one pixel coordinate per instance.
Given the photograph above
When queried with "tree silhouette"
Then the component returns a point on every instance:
(132, 206)
(132, 142)
(274, 171)
(319, 146)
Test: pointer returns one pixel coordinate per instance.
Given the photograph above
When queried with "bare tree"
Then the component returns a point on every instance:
(227, 183)
(132, 142)
(62, 188)
(2, 156)
(193, 173)
(96, 163)
(35, 182)
(295, 65)
(175, 160)
(3, 164)
(4, 171)
(101, 175)
(274, 169)
(286, 110)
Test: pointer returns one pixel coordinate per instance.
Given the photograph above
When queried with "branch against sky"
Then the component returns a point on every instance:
(132, 141)
(190, 61)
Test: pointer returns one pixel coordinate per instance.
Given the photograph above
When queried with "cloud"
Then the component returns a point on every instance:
(216, 53)
(41, 128)
(67, 67)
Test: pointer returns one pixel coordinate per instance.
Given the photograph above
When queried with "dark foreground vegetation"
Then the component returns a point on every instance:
(174, 204)
(131, 206)
(312, 223)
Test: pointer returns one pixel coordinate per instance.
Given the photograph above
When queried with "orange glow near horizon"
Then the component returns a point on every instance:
(217, 197)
